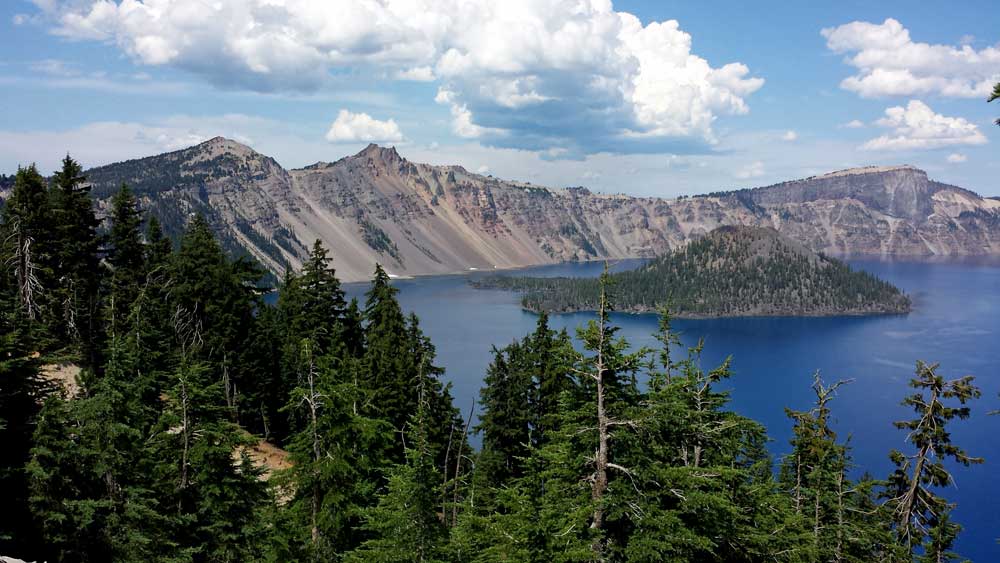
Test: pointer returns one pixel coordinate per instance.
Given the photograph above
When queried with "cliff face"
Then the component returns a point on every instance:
(417, 219)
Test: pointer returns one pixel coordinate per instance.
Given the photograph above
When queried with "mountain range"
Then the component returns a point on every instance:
(416, 219)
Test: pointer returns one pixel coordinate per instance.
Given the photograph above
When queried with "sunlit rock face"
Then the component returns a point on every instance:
(415, 219)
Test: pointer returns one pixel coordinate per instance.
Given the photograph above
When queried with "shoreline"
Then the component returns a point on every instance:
(987, 260)
(705, 317)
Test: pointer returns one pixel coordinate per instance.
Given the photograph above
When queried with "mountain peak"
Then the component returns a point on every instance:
(221, 145)
(873, 170)
(376, 151)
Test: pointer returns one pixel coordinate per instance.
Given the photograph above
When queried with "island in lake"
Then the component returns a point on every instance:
(733, 271)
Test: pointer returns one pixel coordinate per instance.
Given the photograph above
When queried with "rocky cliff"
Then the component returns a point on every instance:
(418, 219)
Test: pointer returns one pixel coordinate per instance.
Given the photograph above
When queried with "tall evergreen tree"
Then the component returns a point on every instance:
(403, 525)
(609, 377)
(21, 389)
(26, 242)
(335, 459)
(91, 476)
(506, 422)
(917, 510)
(218, 298)
(125, 257)
(75, 247)
(386, 364)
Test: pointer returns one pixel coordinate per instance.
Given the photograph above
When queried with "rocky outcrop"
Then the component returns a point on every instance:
(415, 219)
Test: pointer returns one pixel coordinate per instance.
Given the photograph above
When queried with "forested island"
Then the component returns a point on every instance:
(730, 272)
(592, 450)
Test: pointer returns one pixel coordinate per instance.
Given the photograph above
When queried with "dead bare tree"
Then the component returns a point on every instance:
(29, 288)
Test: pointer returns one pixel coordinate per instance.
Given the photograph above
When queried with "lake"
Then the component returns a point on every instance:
(955, 321)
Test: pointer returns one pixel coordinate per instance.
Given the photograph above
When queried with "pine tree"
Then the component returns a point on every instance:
(321, 306)
(21, 389)
(403, 525)
(26, 242)
(910, 488)
(702, 474)
(551, 356)
(520, 400)
(91, 477)
(386, 366)
(311, 306)
(398, 363)
(215, 503)
(335, 458)
(609, 376)
(74, 260)
(125, 257)
(815, 474)
(506, 421)
(218, 298)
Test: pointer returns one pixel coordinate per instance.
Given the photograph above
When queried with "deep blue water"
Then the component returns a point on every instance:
(955, 321)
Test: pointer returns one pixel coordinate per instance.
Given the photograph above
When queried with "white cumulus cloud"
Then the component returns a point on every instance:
(789, 136)
(916, 126)
(525, 74)
(890, 63)
(352, 127)
(956, 158)
(853, 124)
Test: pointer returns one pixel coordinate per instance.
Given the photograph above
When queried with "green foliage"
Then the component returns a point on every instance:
(376, 238)
(994, 95)
(403, 525)
(734, 271)
(599, 452)
(520, 400)
(73, 251)
(20, 390)
(918, 512)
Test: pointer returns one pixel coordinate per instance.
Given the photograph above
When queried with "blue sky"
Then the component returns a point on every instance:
(647, 98)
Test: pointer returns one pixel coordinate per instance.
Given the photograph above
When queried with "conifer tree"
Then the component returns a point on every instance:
(215, 502)
(26, 242)
(335, 459)
(218, 298)
(703, 477)
(398, 365)
(520, 399)
(158, 246)
(74, 259)
(21, 389)
(815, 475)
(608, 376)
(551, 356)
(917, 510)
(386, 365)
(125, 257)
(403, 525)
(506, 420)
(322, 306)
(90, 473)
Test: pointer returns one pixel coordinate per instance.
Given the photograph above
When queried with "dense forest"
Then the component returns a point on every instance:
(732, 271)
(592, 450)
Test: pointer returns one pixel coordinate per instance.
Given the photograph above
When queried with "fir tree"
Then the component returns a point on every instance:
(21, 389)
(403, 525)
(125, 257)
(75, 247)
(916, 509)
(26, 240)
(334, 461)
